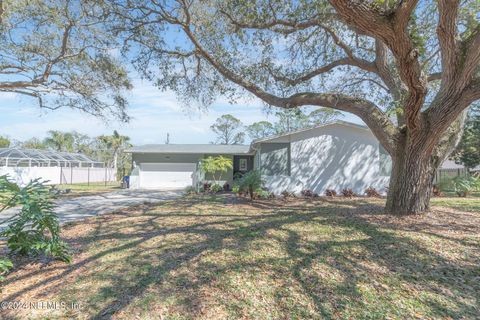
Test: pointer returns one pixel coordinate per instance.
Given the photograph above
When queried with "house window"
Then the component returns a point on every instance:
(242, 164)
(275, 159)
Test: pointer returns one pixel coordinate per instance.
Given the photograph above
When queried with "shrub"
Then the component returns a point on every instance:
(250, 182)
(287, 194)
(437, 192)
(236, 188)
(206, 187)
(264, 194)
(348, 193)
(190, 190)
(308, 194)
(330, 193)
(35, 228)
(463, 186)
(215, 188)
(372, 192)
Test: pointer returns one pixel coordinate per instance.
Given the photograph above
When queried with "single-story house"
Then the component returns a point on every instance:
(331, 156)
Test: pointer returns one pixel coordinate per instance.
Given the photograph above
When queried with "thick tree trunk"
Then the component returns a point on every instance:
(414, 167)
(411, 183)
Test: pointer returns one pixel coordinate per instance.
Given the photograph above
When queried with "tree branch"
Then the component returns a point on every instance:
(377, 121)
(391, 29)
(447, 33)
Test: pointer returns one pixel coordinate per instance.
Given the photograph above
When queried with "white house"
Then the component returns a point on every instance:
(331, 156)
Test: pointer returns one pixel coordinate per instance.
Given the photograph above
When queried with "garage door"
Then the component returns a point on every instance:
(166, 175)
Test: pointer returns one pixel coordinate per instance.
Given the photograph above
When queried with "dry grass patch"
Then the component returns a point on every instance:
(211, 258)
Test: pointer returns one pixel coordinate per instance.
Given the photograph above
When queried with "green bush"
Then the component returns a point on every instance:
(236, 188)
(461, 185)
(263, 194)
(216, 188)
(190, 190)
(250, 182)
(35, 228)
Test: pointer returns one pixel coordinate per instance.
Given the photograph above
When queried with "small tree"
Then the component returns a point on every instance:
(227, 129)
(216, 165)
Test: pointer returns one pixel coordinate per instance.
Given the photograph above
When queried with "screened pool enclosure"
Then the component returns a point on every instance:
(16, 157)
(23, 165)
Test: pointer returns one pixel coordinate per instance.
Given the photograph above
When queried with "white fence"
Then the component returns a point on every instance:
(59, 175)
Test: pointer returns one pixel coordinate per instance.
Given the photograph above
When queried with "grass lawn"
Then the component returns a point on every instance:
(84, 189)
(206, 258)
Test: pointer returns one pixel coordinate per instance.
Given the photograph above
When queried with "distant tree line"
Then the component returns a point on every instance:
(106, 148)
(230, 130)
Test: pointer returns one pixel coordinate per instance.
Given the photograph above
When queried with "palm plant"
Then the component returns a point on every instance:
(60, 141)
(114, 145)
(250, 182)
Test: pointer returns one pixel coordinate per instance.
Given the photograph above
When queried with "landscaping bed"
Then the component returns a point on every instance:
(220, 256)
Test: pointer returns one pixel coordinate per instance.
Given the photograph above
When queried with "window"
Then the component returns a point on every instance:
(275, 159)
(242, 164)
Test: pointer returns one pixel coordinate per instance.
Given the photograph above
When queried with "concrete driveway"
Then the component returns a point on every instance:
(71, 209)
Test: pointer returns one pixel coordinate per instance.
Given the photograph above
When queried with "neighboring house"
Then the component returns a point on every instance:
(332, 156)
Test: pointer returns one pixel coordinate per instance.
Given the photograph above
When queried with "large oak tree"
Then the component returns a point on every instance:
(59, 53)
(409, 69)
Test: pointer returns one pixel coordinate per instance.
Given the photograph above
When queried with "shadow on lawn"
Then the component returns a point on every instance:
(405, 260)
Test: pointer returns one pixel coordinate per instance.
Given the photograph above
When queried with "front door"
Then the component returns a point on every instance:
(241, 165)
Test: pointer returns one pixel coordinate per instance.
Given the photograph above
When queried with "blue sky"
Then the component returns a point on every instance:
(153, 112)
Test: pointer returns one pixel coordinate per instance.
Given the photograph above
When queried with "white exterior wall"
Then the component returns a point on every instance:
(331, 157)
(159, 171)
(57, 175)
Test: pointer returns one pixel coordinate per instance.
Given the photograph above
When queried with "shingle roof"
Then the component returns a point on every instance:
(191, 148)
(336, 122)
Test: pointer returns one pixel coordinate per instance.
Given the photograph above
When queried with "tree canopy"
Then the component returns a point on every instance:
(260, 129)
(468, 151)
(59, 53)
(228, 130)
(409, 70)
(4, 142)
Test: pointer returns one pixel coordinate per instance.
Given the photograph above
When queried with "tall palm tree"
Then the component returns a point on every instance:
(60, 141)
(114, 144)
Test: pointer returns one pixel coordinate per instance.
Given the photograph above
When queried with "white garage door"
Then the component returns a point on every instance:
(166, 175)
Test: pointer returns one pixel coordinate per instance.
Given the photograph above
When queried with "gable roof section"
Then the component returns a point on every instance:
(192, 148)
(338, 122)
(228, 148)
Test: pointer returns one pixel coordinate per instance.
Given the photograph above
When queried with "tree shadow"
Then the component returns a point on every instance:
(148, 262)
